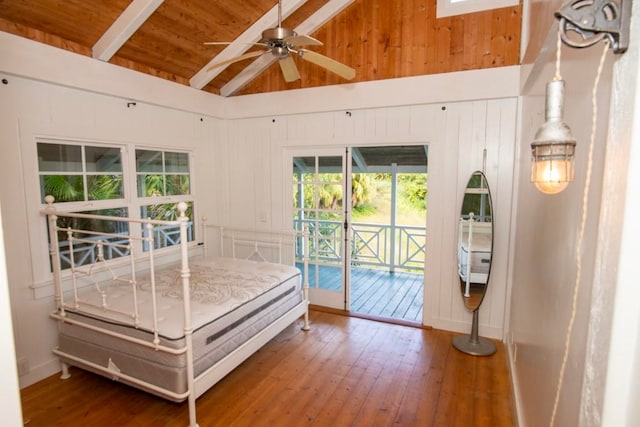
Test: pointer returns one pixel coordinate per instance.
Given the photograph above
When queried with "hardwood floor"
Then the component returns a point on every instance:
(345, 371)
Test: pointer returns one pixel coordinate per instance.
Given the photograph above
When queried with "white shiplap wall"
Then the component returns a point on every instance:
(259, 192)
(31, 109)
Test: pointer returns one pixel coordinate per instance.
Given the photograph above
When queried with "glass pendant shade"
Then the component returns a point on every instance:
(552, 167)
(552, 151)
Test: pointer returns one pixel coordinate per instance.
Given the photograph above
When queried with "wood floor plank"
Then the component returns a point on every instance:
(372, 363)
(345, 371)
(299, 393)
(433, 380)
(416, 390)
(382, 404)
(266, 388)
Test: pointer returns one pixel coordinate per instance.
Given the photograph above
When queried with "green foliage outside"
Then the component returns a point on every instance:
(370, 197)
(70, 188)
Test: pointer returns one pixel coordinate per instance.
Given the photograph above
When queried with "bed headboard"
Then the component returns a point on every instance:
(258, 245)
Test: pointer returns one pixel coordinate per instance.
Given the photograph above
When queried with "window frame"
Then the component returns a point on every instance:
(43, 275)
(447, 8)
(164, 173)
(86, 203)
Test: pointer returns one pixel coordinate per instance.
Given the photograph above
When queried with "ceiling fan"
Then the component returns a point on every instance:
(283, 44)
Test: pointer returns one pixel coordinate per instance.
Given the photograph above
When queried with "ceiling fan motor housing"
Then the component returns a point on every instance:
(277, 33)
(275, 39)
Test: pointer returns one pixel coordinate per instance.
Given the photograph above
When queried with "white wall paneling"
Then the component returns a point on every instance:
(456, 133)
(26, 58)
(10, 412)
(33, 109)
(545, 248)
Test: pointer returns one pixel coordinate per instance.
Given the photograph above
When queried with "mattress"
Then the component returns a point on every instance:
(231, 301)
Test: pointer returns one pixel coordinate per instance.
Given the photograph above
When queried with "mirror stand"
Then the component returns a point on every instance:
(475, 252)
(474, 344)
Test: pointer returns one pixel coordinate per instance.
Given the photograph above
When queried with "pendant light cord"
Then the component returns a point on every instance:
(558, 53)
(583, 223)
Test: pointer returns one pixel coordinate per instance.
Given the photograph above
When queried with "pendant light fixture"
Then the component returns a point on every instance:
(552, 151)
(582, 24)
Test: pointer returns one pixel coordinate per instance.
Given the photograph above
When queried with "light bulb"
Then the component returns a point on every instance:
(552, 151)
(551, 176)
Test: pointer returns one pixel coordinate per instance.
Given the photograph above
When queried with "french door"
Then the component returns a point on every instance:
(321, 195)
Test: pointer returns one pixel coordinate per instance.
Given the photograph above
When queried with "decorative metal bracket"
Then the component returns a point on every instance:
(593, 20)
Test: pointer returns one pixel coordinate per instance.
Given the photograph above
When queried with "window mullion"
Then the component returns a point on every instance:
(85, 184)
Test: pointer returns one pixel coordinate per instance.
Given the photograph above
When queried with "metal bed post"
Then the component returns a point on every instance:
(152, 278)
(185, 273)
(54, 248)
(470, 242)
(204, 236)
(305, 285)
(221, 241)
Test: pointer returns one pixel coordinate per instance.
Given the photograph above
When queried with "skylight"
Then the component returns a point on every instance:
(460, 7)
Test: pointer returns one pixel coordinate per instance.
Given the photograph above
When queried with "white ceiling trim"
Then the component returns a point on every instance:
(315, 21)
(244, 41)
(122, 28)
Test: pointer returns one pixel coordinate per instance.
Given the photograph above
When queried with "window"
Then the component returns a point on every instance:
(460, 7)
(77, 173)
(162, 173)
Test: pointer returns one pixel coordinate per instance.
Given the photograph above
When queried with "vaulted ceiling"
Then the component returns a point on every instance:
(380, 39)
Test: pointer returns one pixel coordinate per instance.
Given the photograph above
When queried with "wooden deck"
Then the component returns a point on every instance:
(379, 293)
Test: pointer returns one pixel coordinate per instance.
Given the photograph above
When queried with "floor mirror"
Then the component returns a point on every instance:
(475, 247)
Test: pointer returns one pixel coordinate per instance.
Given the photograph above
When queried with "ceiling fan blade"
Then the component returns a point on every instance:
(302, 40)
(238, 58)
(289, 69)
(228, 43)
(332, 65)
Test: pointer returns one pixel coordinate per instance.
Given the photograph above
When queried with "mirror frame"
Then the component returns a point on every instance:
(472, 295)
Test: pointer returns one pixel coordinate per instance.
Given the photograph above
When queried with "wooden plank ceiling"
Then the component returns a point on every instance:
(380, 39)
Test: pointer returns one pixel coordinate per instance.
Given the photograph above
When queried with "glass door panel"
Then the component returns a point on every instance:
(318, 199)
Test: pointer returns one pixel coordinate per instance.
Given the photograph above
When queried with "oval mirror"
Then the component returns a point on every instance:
(475, 241)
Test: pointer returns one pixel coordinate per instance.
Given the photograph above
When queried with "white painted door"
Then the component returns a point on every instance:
(320, 204)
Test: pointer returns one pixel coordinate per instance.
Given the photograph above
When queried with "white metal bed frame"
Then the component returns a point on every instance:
(196, 386)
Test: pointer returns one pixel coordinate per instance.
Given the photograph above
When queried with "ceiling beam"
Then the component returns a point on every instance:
(243, 42)
(314, 22)
(122, 28)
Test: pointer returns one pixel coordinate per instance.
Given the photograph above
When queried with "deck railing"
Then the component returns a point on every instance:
(375, 245)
